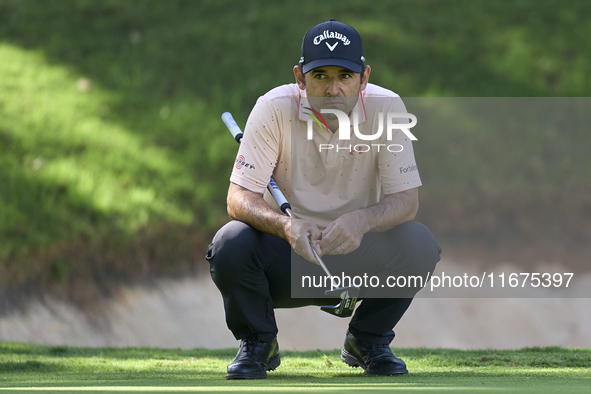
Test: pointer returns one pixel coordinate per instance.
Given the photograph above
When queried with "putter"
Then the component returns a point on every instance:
(348, 295)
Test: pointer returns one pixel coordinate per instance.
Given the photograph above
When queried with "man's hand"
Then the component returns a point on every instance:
(343, 235)
(250, 208)
(303, 236)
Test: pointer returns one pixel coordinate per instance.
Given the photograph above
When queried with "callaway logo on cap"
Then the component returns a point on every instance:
(332, 43)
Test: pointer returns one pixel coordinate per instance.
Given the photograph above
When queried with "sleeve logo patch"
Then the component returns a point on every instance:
(241, 162)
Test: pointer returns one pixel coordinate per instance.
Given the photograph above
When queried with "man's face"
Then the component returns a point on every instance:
(332, 87)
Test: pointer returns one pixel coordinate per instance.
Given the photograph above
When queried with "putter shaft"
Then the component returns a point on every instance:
(349, 294)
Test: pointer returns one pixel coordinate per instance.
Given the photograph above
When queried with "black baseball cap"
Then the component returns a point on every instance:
(332, 43)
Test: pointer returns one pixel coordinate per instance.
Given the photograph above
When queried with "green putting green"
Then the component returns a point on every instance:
(37, 369)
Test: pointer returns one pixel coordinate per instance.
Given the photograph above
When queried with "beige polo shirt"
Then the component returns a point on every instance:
(321, 183)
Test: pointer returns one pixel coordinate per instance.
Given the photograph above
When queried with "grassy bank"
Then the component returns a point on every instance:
(29, 368)
(113, 160)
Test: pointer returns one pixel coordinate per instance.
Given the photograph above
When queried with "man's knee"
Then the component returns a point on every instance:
(232, 246)
(417, 245)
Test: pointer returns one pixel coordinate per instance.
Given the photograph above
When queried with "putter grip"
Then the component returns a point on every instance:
(232, 126)
(278, 196)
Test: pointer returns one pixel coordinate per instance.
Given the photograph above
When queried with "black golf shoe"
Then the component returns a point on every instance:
(254, 359)
(375, 359)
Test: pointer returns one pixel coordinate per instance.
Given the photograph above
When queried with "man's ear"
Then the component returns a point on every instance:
(299, 77)
(365, 79)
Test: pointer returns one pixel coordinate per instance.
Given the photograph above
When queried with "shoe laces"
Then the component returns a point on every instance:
(378, 349)
(250, 342)
(378, 346)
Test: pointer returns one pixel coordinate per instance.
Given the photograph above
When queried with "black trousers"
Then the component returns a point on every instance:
(253, 271)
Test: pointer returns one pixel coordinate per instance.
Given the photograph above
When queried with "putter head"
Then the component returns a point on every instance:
(344, 308)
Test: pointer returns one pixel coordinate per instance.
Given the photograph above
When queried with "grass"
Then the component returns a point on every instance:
(32, 368)
(110, 139)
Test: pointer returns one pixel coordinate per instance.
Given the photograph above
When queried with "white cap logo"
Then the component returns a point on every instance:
(331, 34)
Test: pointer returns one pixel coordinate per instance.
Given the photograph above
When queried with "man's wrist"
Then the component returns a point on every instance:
(364, 219)
(286, 229)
